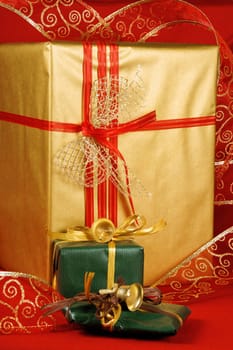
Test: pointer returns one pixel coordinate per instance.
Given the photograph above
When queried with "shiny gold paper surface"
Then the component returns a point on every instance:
(44, 80)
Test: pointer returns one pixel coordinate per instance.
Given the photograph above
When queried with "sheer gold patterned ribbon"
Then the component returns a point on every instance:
(82, 21)
(104, 231)
(21, 298)
(205, 273)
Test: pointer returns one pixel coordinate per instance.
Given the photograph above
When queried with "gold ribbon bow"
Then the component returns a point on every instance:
(104, 231)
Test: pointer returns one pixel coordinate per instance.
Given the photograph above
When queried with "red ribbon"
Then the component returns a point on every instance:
(86, 115)
(105, 136)
(102, 74)
(99, 134)
(53, 126)
(21, 299)
(112, 190)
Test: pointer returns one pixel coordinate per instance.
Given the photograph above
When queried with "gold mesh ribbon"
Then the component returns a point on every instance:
(104, 231)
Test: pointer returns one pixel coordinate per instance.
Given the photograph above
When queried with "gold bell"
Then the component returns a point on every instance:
(132, 295)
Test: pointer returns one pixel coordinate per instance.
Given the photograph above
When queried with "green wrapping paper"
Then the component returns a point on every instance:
(73, 259)
(136, 324)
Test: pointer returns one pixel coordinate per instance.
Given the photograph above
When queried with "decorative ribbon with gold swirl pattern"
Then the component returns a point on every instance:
(21, 299)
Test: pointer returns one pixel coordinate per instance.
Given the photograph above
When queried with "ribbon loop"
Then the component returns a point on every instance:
(132, 223)
(134, 226)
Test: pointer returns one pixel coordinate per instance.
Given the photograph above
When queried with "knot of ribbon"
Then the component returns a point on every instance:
(101, 134)
(105, 131)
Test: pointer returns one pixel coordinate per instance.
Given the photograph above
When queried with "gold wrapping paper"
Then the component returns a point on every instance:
(44, 80)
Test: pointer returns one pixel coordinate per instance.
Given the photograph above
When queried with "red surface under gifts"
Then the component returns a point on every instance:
(209, 328)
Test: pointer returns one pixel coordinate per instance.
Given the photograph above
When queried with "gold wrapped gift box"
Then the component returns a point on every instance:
(175, 164)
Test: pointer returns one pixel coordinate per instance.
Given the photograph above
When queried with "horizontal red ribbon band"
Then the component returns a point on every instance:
(123, 127)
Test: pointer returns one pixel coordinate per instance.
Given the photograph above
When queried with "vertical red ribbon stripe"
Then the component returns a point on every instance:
(107, 206)
(102, 77)
(86, 115)
(114, 72)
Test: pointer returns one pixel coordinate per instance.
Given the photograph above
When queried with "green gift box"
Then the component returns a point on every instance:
(73, 259)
